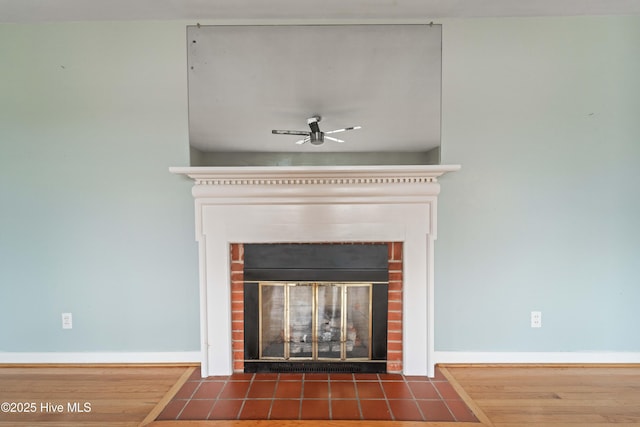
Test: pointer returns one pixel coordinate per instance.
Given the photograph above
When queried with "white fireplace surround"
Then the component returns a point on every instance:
(316, 204)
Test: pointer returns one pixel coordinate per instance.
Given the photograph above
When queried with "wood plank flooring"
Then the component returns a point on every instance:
(115, 396)
(503, 396)
(570, 396)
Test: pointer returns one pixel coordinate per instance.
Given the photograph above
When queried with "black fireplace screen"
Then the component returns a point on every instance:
(315, 307)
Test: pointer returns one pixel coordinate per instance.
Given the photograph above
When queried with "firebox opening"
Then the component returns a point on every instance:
(315, 307)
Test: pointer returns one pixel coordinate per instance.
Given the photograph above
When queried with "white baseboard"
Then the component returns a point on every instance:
(536, 357)
(439, 357)
(89, 357)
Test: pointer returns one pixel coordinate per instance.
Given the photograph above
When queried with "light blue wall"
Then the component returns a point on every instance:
(541, 113)
(91, 221)
(544, 116)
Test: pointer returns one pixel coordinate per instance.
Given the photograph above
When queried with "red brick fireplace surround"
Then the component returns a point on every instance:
(317, 204)
(394, 314)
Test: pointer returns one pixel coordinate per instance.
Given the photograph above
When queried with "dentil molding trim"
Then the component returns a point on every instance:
(314, 175)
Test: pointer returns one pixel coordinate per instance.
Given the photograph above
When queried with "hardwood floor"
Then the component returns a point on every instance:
(502, 396)
(548, 396)
(114, 396)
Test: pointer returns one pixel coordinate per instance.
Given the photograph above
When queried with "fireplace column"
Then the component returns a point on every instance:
(237, 306)
(394, 316)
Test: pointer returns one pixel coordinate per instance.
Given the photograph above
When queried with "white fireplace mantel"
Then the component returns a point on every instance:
(316, 204)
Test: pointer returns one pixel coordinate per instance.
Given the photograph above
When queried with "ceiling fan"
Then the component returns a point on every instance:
(315, 136)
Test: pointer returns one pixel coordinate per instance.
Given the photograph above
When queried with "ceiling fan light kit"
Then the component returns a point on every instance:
(314, 136)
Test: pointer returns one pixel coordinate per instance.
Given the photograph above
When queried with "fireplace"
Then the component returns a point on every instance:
(296, 205)
(315, 308)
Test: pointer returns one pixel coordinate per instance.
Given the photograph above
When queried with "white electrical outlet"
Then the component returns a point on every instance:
(67, 321)
(536, 319)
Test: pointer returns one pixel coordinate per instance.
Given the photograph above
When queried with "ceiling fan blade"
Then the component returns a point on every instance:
(330, 138)
(302, 141)
(344, 129)
(289, 132)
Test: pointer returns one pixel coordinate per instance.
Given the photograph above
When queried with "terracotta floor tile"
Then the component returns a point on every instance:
(255, 410)
(369, 390)
(197, 409)
(435, 410)
(261, 390)
(241, 377)
(186, 391)
(447, 391)
(366, 377)
(235, 390)
(226, 409)
(195, 375)
(214, 378)
(288, 390)
(172, 410)
(423, 390)
(285, 409)
(391, 377)
(288, 376)
(342, 390)
(315, 390)
(340, 377)
(461, 411)
(316, 377)
(396, 390)
(405, 410)
(439, 376)
(314, 410)
(417, 378)
(326, 396)
(265, 377)
(345, 409)
(375, 410)
(208, 390)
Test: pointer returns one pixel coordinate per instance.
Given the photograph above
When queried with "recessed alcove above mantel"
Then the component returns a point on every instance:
(333, 204)
(247, 80)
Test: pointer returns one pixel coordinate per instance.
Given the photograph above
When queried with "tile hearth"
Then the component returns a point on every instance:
(294, 396)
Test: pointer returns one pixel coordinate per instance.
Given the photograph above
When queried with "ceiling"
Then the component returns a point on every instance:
(245, 81)
(103, 10)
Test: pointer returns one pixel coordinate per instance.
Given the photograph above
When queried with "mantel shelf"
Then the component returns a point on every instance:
(292, 175)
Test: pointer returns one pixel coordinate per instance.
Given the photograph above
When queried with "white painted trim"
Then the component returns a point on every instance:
(536, 357)
(297, 175)
(91, 357)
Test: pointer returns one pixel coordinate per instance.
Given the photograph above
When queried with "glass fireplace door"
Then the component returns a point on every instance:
(299, 325)
(315, 321)
(329, 322)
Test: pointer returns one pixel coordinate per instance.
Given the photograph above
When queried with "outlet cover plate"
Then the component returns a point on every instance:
(536, 319)
(67, 321)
